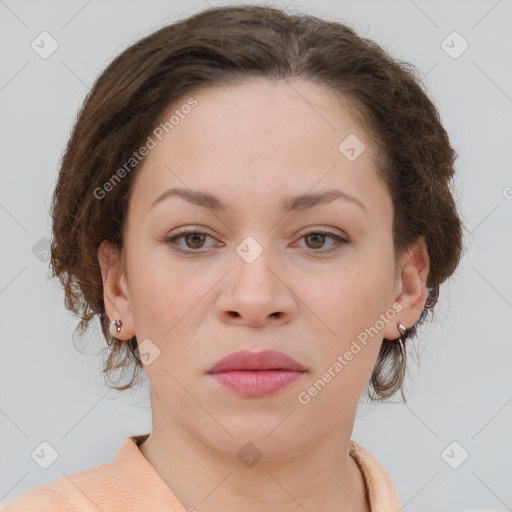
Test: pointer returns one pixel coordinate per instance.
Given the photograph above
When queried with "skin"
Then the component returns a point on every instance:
(253, 144)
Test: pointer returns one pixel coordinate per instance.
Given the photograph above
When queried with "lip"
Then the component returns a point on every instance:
(257, 383)
(256, 374)
(265, 360)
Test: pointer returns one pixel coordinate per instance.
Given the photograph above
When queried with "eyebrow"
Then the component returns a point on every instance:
(293, 203)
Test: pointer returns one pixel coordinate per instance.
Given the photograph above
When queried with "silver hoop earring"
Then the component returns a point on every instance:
(402, 329)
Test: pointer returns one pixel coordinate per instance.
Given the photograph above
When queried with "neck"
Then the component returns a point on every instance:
(318, 476)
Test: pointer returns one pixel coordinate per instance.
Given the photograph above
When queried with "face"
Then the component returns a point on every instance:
(314, 280)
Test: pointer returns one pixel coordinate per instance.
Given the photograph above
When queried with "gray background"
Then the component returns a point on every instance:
(462, 389)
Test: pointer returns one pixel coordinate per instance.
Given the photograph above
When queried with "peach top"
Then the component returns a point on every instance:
(130, 484)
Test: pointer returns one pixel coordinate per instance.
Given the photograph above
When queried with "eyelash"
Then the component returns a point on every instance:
(171, 241)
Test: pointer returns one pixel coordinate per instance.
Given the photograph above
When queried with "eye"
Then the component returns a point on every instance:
(194, 240)
(318, 237)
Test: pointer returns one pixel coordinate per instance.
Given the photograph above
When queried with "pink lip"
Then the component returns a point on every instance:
(265, 360)
(256, 374)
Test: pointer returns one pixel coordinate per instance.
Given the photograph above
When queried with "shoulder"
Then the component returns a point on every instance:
(382, 492)
(90, 489)
(38, 498)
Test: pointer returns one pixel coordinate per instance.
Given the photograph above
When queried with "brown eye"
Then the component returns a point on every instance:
(317, 240)
(194, 240)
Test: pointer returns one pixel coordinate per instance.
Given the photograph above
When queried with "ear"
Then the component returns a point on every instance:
(412, 286)
(115, 290)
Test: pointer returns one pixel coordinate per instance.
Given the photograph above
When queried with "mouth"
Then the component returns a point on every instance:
(256, 375)
(266, 360)
(256, 384)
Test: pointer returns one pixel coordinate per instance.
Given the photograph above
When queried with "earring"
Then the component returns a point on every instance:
(118, 324)
(402, 330)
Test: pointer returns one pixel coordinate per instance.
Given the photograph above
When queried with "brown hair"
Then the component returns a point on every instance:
(218, 46)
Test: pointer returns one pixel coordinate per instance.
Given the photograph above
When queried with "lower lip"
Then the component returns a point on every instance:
(256, 384)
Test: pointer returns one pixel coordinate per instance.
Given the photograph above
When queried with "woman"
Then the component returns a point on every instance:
(257, 207)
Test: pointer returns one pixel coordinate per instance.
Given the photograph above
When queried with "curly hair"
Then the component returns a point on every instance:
(223, 45)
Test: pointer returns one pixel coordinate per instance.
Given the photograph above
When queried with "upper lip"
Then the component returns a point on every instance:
(265, 360)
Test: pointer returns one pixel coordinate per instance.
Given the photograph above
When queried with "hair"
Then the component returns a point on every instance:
(224, 45)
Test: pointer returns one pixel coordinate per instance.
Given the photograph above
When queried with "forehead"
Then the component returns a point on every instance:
(294, 117)
(260, 138)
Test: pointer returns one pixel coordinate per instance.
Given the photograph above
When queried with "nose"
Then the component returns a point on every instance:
(256, 294)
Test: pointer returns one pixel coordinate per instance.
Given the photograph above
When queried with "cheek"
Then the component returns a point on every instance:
(348, 350)
(167, 305)
(349, 308)
(346, 300)
(158, 295)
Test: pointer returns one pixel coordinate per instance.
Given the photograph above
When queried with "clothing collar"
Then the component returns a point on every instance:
(144, 484)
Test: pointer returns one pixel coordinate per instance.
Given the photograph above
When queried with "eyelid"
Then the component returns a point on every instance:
(325, 230)
(190, 229)
(180, 234)
(339, 240)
